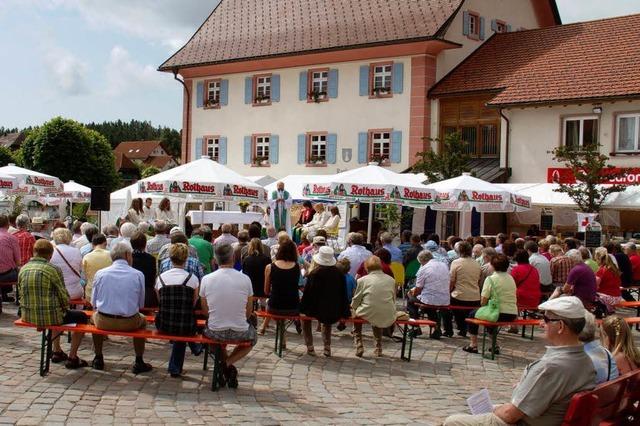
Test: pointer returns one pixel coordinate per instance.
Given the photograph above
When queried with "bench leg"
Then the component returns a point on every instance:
(277, 339)
(217, 367)
(524, 316)
(484, 338)
(205, 362)
(405, 332)
(45, 352)
(410, 346)
(280, 330)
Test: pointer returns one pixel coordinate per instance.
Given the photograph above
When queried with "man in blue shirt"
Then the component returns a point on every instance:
(118, 295)
(387, 243)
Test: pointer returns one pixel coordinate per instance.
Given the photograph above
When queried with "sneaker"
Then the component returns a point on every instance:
(141, 367)
(341, 326)
(231, 374)
(98, 363)
(176, 375)
(58, 357)
(74, 363)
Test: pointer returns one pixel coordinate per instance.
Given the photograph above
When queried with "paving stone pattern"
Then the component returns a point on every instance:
(296, 389)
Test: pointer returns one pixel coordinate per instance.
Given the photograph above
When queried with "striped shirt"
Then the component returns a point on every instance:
(43, 296)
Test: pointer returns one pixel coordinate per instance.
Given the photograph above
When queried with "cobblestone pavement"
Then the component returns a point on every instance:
(295, 389)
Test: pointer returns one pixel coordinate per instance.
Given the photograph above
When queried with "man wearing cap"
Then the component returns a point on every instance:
(547, 385)
(433, 247)
(356, 252)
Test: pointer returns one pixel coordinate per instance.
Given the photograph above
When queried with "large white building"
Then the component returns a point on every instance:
(308, 87)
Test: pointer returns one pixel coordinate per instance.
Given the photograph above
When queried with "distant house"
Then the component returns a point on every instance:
(12, 140)
(146, 153)
(129, 172)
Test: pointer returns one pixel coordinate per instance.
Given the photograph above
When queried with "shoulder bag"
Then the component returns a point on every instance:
(491, 311)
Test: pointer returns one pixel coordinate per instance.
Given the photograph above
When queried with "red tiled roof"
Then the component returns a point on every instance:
(159, 161)
(248, 29)
(124, 163)
(136, 150)
(586, 60)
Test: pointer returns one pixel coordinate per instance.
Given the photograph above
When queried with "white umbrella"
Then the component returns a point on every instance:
(31, 182)
(76, 192)
(465, 192)
(203, 179)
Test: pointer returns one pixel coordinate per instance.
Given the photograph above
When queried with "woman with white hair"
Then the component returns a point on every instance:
(603, 360)
(69, 260)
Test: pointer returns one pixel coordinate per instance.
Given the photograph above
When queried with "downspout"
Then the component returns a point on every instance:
(506, 162)
(188, 121)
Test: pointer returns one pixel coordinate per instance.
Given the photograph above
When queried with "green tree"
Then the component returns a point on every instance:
(149, 171)
(451, 160)
(6, 156)
(68, 150)
(591, 170)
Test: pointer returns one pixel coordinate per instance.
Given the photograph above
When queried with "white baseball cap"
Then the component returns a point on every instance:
(565, 306)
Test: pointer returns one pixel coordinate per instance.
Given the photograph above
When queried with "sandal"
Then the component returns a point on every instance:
(74, 363)
(470, 349)
(58, 357)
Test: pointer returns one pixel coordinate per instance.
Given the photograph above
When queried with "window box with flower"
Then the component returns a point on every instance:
(318, 96)
(262, 99)
(212, 103)
(260, 161)
(379, 159)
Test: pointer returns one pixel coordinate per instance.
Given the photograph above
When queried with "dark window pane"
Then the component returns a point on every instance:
(470, 135)
(489, 139)
(572, 133)
(590, 132)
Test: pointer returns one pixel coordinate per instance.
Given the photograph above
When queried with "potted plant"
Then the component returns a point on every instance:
(262, 99)
(261, 161)
(316, 160)
(380, 91)
(243, 206)
(317, 95)
(379, 159)
(211, 102)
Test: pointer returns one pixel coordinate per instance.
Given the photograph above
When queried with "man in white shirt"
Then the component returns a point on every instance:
(226, 296)
(541, 263)
(432, 288)
(226, 237)
(356, 253)
(148, 212)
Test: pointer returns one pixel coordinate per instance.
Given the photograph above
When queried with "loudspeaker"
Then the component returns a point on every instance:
(100, 199)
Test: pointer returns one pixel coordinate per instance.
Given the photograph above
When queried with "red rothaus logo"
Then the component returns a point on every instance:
(247, 192)
(196, 187)
(483, 196)
(520, 201)
(366, 191)
(416, 195)
(6, 184)
(154, 186)
(320, 189)
(42, 181)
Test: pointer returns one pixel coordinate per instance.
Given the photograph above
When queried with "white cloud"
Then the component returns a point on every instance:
(168, 22)
(587, 10)
(123, 74)
(69, 73)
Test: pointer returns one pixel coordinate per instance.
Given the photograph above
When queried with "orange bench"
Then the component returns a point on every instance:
(615, 402)
(407, 337)
(46, 351)
(495, 328)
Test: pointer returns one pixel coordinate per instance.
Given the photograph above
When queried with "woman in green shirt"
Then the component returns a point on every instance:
(499, 285)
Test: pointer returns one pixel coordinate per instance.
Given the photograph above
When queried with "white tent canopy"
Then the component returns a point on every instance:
(31, 182)
(466, 192)
(203, 179)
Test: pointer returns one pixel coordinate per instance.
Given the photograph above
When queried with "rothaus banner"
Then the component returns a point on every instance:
(227, 192)
(394, 194)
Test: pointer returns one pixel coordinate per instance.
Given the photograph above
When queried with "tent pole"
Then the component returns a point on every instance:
(370, 222)
(202, 213)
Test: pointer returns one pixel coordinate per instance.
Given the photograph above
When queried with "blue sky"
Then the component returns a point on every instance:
(96, 60)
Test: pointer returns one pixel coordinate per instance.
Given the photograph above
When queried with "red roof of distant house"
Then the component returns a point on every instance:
(137, 150)
(595, 60)
(124, 163)
(249, 29)
(12, 140)
(159, 161)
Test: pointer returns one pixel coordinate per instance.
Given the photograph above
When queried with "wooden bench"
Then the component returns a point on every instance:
(407, 336)
(615, 402)
(495, 328)
(216, 353)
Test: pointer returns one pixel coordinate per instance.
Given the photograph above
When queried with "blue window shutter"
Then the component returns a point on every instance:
(508, 28)
(364, 80)
(199, 94)
(198, 148)
(465, 23)
(398, 77)
(224, 92)
(396, 146)
(363, 140)
(247, 150)
(222, 150)
(333, 83)
(302, 147)
(494, 25)
(332, 148)
(481, 32)
(303, 85)
(274, 142)
(275, 88)
(248, 90)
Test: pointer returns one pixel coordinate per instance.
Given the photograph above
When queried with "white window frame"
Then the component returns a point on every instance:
(636, 144)
(213, 87)
(378, 143)
(320, 78)
(386, 75)
(581, 119)
(212, 147)
(261, 148)
(263, 86)
(501, 27)
(474, 25)
(317, 147)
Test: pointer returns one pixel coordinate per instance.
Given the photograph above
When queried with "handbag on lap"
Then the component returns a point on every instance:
(491, 311)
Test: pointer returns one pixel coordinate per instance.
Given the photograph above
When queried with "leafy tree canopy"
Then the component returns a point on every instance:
(149, 171)
(591, 170)
(450, 161)
(6, 156)
(68, 150)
